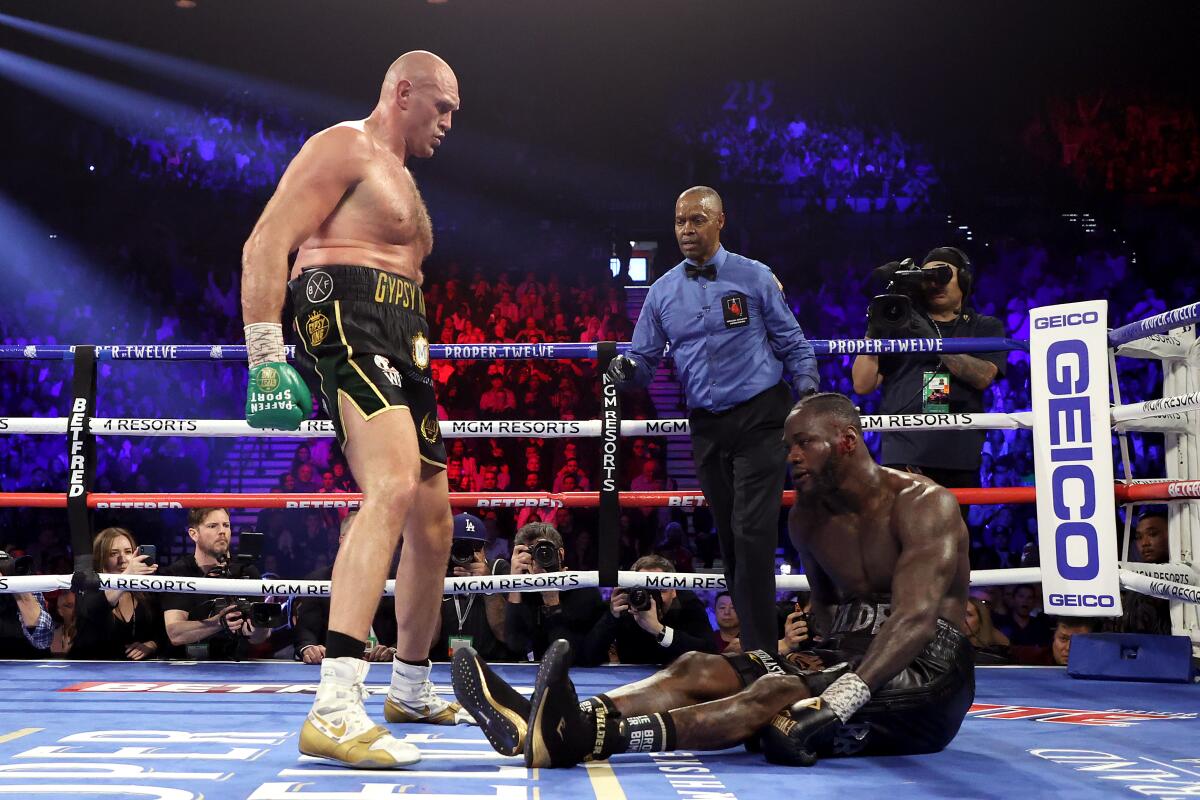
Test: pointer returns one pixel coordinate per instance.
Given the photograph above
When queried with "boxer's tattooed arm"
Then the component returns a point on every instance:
(932, 537)
(975, 371)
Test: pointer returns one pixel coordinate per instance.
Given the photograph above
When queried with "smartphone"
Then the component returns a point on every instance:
(148, 550)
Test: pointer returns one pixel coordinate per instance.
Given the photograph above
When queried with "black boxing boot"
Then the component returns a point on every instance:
(499, 709)
(561, 734)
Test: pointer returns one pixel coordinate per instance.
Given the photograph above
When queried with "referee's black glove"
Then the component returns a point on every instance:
(621, 369)
(804, 386)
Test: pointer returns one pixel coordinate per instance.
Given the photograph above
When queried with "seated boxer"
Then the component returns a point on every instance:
(886, 557)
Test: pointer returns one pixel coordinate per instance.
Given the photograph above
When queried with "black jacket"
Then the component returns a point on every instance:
(686, 616)
(100, 635)
(312, 617)
(530, 627)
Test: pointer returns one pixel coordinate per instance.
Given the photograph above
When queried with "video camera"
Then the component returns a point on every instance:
(891, 315)
(260, 614)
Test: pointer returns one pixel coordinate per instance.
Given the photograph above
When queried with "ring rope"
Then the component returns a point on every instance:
(491, 351)
(1165, 407)
(1160, 490)
(554, 581)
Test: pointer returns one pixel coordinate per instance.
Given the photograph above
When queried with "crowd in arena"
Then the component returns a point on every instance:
(824, 164)
(1119, 142)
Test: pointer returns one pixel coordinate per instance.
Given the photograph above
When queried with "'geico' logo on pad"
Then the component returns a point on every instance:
(1072, 482)
(1082, 600)
(1066, 320)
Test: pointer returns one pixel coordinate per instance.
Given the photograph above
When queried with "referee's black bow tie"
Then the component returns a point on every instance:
(707, 271)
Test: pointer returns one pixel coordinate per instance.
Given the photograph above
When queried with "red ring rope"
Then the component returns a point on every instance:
(1140, 492)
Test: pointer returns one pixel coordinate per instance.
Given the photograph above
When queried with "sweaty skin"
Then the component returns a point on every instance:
(861, 530)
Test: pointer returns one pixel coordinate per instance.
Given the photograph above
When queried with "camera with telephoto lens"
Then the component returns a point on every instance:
(12, 567)
(545, 553)
(639, 599)
(260, 615)
(891, 315)
(462, 553)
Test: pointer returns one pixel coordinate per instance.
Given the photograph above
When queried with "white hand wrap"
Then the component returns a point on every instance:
(846, 695)
(264, 343)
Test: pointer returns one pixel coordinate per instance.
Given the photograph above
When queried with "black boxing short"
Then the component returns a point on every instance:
(918, 711)
(365, 334)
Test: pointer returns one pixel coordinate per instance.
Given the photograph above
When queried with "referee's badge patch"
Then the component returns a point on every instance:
(735, 309)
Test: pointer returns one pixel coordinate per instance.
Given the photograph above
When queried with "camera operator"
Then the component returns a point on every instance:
(195, 623)
(312, 619)
(917, 383)
(649, 626)
(475, 620)
(532, 620)
(26, 628)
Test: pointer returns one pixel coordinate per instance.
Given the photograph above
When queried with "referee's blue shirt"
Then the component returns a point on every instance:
(731, 337)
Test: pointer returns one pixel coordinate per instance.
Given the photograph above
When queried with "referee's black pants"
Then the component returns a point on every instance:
(740, 460)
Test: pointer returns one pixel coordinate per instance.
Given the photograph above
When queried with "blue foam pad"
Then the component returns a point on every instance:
(1131, 657)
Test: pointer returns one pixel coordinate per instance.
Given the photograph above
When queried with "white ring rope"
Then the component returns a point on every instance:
(554, 429)
(564, 581)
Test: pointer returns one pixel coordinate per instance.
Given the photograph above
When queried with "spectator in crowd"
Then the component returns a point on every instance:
(794, 634)
(672, 623)
(728, 629)
(935, 383)
(194, 622)
(990, 645)
(533, 620)
(312, 620)
(1023, 625)
(26, 628)
(1141, 613)
(1064, 630)
(62, 610)
(116, 624)
(474, 619)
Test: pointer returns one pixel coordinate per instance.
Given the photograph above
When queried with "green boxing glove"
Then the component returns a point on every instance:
(277, 397)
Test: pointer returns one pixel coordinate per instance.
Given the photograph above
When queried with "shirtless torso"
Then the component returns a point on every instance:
(856, 554)
(380, 221)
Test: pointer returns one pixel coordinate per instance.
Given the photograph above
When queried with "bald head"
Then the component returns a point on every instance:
(704, 195)
(699, 218)
(416, 103)
(418, 67)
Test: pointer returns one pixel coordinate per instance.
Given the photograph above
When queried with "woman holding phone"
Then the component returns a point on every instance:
(116, 624)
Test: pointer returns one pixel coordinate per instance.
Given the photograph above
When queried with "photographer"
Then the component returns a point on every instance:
(922, 383)
(649, 626)
(116, 624)
(196, 624)
(26, 628)
(532, 620)
(473, 619)
(312, 619)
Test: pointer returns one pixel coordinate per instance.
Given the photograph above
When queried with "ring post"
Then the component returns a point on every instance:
(81, 460)
(610, 468)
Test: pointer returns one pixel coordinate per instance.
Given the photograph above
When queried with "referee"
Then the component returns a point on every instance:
(731, 336)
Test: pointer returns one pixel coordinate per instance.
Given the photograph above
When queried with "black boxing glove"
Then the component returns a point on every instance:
(621, 369)
(792, 737)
